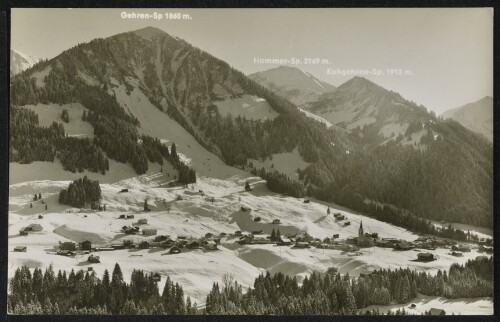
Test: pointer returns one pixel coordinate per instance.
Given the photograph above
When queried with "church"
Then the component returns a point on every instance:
(364, 240)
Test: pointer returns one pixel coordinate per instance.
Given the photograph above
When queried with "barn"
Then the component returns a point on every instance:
(21, 249)
(86, 245)
(67, 246)
(434, 311)
(425, 257)
(149, 231)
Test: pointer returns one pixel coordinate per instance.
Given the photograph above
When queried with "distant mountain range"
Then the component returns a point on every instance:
(382, 148)
(476, 116)
(20, 62)
(292, 83)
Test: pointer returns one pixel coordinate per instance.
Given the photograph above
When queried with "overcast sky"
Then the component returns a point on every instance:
(449, 52)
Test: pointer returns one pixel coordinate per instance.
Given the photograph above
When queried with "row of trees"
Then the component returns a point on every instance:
(335, 294)
(80, 192)
(30, 142)
(85, 293)
(319, 294)
(156, 151)
(77, 154)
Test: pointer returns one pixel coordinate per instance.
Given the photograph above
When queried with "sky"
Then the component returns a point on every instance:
(440, 58)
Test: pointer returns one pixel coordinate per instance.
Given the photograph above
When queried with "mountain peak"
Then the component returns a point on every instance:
(149, 32)
(359, 81)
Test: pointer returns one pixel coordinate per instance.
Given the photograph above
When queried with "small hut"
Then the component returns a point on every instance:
(20, 249)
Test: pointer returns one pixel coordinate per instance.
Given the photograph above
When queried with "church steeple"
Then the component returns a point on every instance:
(361, 232)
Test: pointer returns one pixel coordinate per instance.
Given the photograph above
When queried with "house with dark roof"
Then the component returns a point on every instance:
(21, 249)
(434, 311)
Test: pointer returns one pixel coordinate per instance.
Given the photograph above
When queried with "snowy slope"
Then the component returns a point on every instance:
(20, 62)
(290, 82)
(476, 116)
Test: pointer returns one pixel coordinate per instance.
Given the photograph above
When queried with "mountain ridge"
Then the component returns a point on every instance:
(476, 116)
(187, 84)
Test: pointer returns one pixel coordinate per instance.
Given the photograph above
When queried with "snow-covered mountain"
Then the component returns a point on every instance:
(476, 116)
(292, 83)
(20, 62)
(359, 103)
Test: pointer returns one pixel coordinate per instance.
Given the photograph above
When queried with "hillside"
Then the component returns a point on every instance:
(148, 82)
(20, 62)
(293, 84)
(476, 116)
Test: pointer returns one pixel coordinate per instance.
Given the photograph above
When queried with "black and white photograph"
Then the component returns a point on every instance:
(231, 161)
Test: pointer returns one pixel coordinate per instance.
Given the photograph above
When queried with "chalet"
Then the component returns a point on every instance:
(167, 243)
(156, 277)
(178, 198)
(154, 244)
(337, 214)
(175, 250)
(149, 232)
(245, 209)
(257, 219)
(237, 233)
(34, 227)
(124, 190)
(307, 201)
(485, 249)
(21, 249)
(347, 223)
(67, 246)
(160, 238)
(385, 243)
(257, 232)
(90, 269)
(434, 311)
(209, 235)
(402, 246)
(23, 232)
(142, 221)
(222, 234)
(40, 217)
(284, 241)
(276, 222)
(352, 240)
(121, 217)
(335, 236)
(302, 245)
(65, 253)
(130, 216)
(94, 259)
(194, 244)
(246, 239)
(181, 242)
(457, 254)
(425, 257)
(129, 230)
(86, 245)
(181, 237)
(211, 245)
(261, 240)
